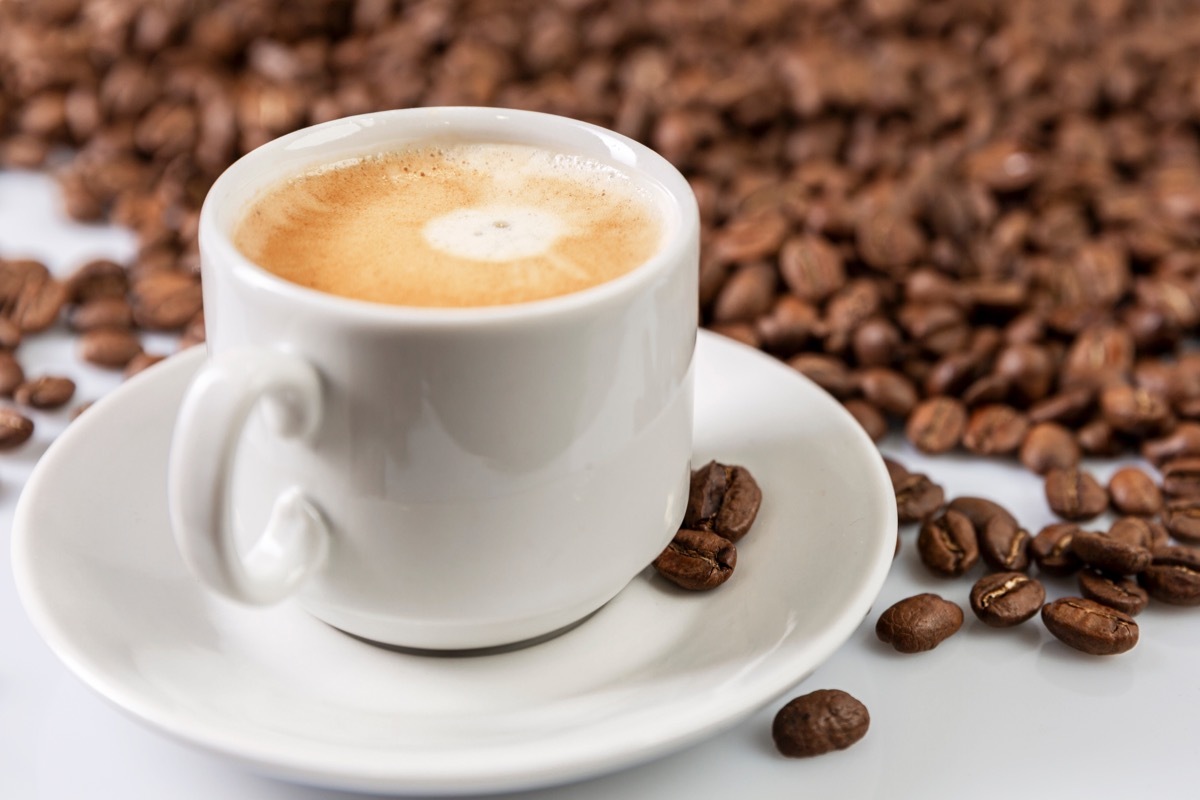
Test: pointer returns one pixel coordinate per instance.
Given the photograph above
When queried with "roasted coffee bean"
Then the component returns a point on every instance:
(917, 497)
(1051, 549)
(1004, 547)
(1183, 442)
(1005, 599)
(1089, 626)
(102, 312)
(811, 267)
(936, 425)
(995, 430)
(1181, 477)
(819, 722)
(1028, 369)
(1174, 576)
(747, 294)
(165, 300)
(830, 373)
(1068, 406)
(1137, 531)
(876, 343)
(947, 544)
(97, 279)
(697, 560)
(983, 512)
(888, 390)
(10, 334)
(1100, 350)
(1134, 492)
(896, 471)
(919, 623)
(951, 374)
(48, 391)
(1074, 494)
(723, 499)
(1096, 438)
(109, 347)
(1048, 446)
(29, 295)
(15, 428)
(989, 389)
(1128, 409)
(1123, 594)
(869, 417)
(787, 327)
(1181, 516)
(1109, 554)
(11, 374)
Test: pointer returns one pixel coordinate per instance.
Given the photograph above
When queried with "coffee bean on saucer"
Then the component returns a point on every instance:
(15, 428)
(919, 623)
(697, 560)
(1074, 494)
(1089, 626)
(1123, 594)
(947, 544)
(1182, 518)
(1005, 599)
(723, 499)
(1051, 549)
(917, 497)
(1173, 576)
(1109, 554)
(47, 391)
(819, 722)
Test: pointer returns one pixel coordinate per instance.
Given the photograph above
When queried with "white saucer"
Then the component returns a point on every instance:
(653, 671)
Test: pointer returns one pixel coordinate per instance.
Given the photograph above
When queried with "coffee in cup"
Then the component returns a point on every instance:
(454, 224)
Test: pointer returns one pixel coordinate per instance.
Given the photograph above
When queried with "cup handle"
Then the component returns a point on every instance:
(203, 447)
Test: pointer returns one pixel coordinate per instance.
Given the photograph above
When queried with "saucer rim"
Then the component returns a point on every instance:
(370, 774)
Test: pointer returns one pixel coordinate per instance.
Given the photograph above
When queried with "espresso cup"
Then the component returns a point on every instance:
(436, 478)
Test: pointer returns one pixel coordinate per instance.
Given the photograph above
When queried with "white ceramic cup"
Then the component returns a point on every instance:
(436, 478)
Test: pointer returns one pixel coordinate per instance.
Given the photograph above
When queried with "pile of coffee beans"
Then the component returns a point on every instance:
(1119, 570)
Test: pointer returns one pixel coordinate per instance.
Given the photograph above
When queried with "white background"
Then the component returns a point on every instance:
(989, 714)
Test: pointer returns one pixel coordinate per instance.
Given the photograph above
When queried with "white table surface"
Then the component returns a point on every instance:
(989, 714)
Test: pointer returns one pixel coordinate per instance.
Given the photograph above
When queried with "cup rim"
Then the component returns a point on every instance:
(217, 246)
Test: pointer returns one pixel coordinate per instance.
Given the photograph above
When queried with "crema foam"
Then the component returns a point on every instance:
(454, 225)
